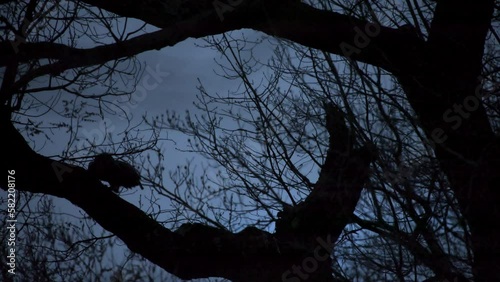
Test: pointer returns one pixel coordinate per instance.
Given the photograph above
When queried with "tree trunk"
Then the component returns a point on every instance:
(445, 92)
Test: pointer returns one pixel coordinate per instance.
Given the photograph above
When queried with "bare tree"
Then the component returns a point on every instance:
(52, 247)
(397, 98)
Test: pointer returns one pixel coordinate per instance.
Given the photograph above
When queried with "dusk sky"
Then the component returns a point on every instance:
(186, 64)
(250, 140)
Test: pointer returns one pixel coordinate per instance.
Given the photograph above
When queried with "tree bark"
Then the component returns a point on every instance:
(445, 94)
(196, 250)
(436, 75)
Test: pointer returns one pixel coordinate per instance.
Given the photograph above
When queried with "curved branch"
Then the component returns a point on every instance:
(193, 251)
(356, 39)
(329, 207)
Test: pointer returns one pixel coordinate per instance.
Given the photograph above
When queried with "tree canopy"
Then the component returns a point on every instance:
(364, 149)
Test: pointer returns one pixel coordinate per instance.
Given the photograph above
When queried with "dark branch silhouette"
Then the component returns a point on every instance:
(327, 209)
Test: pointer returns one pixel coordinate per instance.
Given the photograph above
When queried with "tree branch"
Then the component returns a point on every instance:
(356, 39)
(193, 251)
(329, 207)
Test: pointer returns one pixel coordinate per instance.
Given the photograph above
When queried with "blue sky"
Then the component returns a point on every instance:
(185, 64)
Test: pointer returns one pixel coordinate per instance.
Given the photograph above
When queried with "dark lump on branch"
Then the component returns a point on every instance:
(117, 173)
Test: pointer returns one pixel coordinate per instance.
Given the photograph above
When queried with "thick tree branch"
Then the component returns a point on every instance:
(439, 264)
(329, 207)
(388, 48)
(436, 75)
(359, 40)
(193, 251)
(446, 95)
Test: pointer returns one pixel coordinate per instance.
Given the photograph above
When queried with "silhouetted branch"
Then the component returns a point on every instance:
(327, 209)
